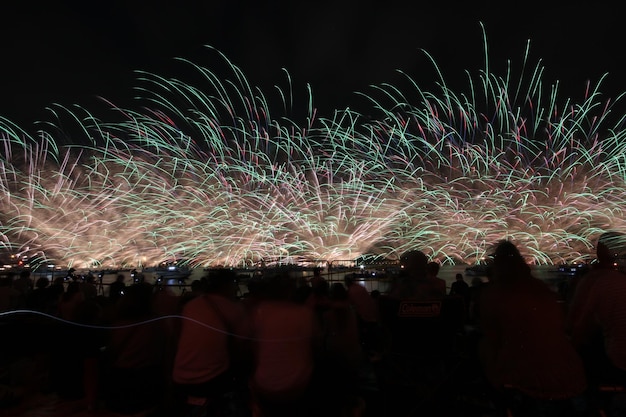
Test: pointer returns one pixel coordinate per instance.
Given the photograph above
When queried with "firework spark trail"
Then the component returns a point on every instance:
(208, 173)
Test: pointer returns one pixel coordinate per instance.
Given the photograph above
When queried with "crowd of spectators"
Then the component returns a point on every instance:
(311, 348)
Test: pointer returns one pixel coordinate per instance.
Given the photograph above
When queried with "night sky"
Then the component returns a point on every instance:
(71, 52)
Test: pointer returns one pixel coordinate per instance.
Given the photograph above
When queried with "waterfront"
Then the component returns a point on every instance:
(448, 273)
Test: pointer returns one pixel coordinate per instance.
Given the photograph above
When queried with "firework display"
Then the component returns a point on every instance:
(212, 173)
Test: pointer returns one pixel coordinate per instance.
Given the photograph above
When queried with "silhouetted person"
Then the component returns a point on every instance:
(212, 345)
(9, 296)
(70, 302)
(460, 288)
(414, 281)
(88, 286)
(367, 313)
(525, 349)
(597, 315)
(134, 377)
(76, 344)
(57, 287)
(71, 275)
(286, 337)
(24, 285)
(117, 288)
(318, 298)
(438, 284)
(317, 277)
(342, 355)
(42, 298)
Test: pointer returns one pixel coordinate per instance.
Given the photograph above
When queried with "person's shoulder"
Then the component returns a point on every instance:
(599, 274)
(616, 273)
(221, 300)
(608, 278)
(195, 304)
(356, 288)
(488, 288)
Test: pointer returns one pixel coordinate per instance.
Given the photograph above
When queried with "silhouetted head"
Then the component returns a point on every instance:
(609, 246)
(73, 287)
(414, 263)
(279, 286)
(338, 291)
(42, 282)
(222, 280)
(433, 268)
(505, 249)
(508, 261)
(349, 279)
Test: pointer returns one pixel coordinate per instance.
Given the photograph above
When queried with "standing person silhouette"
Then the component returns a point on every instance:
(135, 353)
(25, 285)
(460, 288)
(416, 280)
(597, 314)
(117, 288)
(413, 270)
(287, 339)
(212, 341)
(438, 285)
(525, 351)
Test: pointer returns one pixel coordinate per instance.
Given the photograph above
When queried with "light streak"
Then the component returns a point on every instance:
(210, 173)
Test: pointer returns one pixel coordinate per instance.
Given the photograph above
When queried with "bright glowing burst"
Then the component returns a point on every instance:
(208, 172)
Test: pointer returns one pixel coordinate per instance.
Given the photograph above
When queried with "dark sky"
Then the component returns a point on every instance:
(70, 52)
